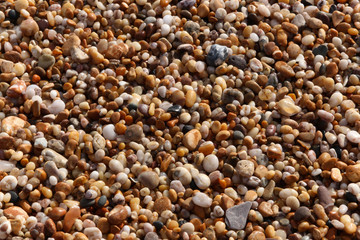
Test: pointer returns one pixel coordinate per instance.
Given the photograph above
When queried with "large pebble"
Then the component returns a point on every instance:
(51, 155)
(191, 139)
(11, 124)
(236, 217)
(8, 183)
(245, 168)
(353, 136)
(210, 163)
(149, 179)
(117, 215)
(287, 107)
(29, 27)
(217, 55)
(202, 200)
(353, 173)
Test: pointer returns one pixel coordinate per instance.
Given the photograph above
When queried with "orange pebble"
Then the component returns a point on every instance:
(36, 78)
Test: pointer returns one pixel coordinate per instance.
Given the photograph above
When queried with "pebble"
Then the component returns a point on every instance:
(217, 55)
(245, 168)
(29, 27)
(236, 217)
(210, 163)
(117, 215)
(202, 200)
(149, 179)
(191, 139)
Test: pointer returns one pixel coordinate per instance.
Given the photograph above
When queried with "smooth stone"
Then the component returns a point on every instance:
(6, 166)
(13, 212)
(217, 55)
(29, 27)
(46, 61)
(8, 183)
(102, 201)
(70, 217)
(287, 107)
(85, 203)
(325, 198)
(202, 200)
(236, 217)
(93, 233)
(158, 225)
(302, 213)
(151, 235)
(134, 133)
(352, 173)
(149, 179)
(210, 163)
(162, 204)
(117, 215)
(175, 110)
(191, 139)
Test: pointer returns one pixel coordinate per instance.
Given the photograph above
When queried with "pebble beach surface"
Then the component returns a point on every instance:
(179, 119)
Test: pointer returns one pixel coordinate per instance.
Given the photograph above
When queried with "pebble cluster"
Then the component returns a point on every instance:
(179, 119)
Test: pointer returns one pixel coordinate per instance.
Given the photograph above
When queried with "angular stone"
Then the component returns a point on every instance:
(51, 155)
(11, 124)
(217, 55)
(236, 217)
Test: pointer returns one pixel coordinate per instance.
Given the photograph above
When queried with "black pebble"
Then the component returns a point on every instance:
(350, 197)
(102, 200)
(175, 110)
(158, 225)
(132, 106)
(237, 61)
(187, 128)
(13, 15)
(14, 197)
(85, 203)
(320, 50)
(332, 8)
(181, 222)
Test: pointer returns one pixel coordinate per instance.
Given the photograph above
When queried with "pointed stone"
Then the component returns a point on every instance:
(236, 216)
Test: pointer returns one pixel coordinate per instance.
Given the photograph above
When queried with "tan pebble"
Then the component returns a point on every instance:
(117, 215)
(29, 27)
(250, 195)
(353, 173)
(12, 212)
(191, 139)
(190, 98)
(162, 204)
(336, 175)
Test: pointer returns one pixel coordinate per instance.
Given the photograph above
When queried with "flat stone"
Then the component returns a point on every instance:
(51, 155)
(236, 217)
(238, 61)
(325, 198)
(13, 212)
